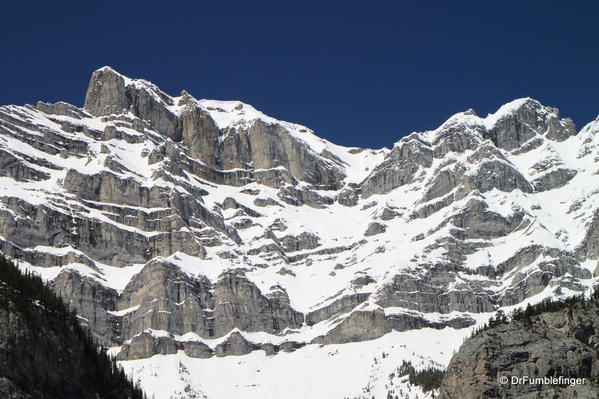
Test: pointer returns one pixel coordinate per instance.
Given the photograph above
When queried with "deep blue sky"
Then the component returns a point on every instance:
(359, 73)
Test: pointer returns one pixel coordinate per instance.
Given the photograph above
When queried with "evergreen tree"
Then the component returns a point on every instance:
(31, 296)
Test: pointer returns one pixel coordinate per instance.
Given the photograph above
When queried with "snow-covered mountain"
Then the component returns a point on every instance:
(223, 253)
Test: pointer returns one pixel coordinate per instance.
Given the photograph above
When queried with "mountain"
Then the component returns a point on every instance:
(200, 239)
(44, 353)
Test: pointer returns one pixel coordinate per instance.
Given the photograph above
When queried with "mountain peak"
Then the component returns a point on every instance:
(520, 120)
(106, 92)
(110, 92)
(516, 106)
(513, 124)
(107, 68)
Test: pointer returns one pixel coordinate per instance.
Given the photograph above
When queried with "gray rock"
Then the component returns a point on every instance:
(263, 202)
(92, 301)
(300, 242)
(111, 93)
(241, 304)
(399, 167)
(235, 345)
(389, 214)
(61, 108)
(375, 228)
(10, 166)
(297, 197)
(428, 293)
(162, 297)
(476, 222)
(357, 326)
(589, 248)
(146, 345)
(230, 203)
(348, 197)
(444, 182)
(265, 146)
(344, 304)
(554, 179)
(494, 174)
(530, 118)
(452, 137)
(554, 344)
(278, 225)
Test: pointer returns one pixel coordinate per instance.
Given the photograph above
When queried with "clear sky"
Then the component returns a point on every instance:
(359, 73)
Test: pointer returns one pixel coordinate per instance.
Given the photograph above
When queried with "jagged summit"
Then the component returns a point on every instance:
(209, 128)
(521, 111)
(112, 92)
(106, 68)
(202, 229)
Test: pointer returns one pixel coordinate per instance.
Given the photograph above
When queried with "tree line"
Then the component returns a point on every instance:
(526, 315)
(32, 296)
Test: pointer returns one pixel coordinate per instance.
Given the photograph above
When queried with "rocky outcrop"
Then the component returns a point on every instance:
(375, 228)
(300, 242)
(475, 221)
(399, 168)
(527, 119)
(150, 343)
(428, 293)
(552, 344)
(161, 297)
(444, 182)
(364, 325)
(298, 197)
(235, 345)
(61, 108)
(357, 326)
(494, 174)
(512, 127)
(389, 214)
(344, 304)
(111, 93)
(589, 247)
(348, 197)
(93, 301)
(241, 304)
(10, 166)
(147, 344)
(554, 179)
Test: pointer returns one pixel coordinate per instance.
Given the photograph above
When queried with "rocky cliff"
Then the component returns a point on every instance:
(556, 343)
(180, 224)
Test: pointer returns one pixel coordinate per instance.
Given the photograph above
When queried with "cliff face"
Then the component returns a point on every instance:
(252, 144)
(174, 223)
(552, 344)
